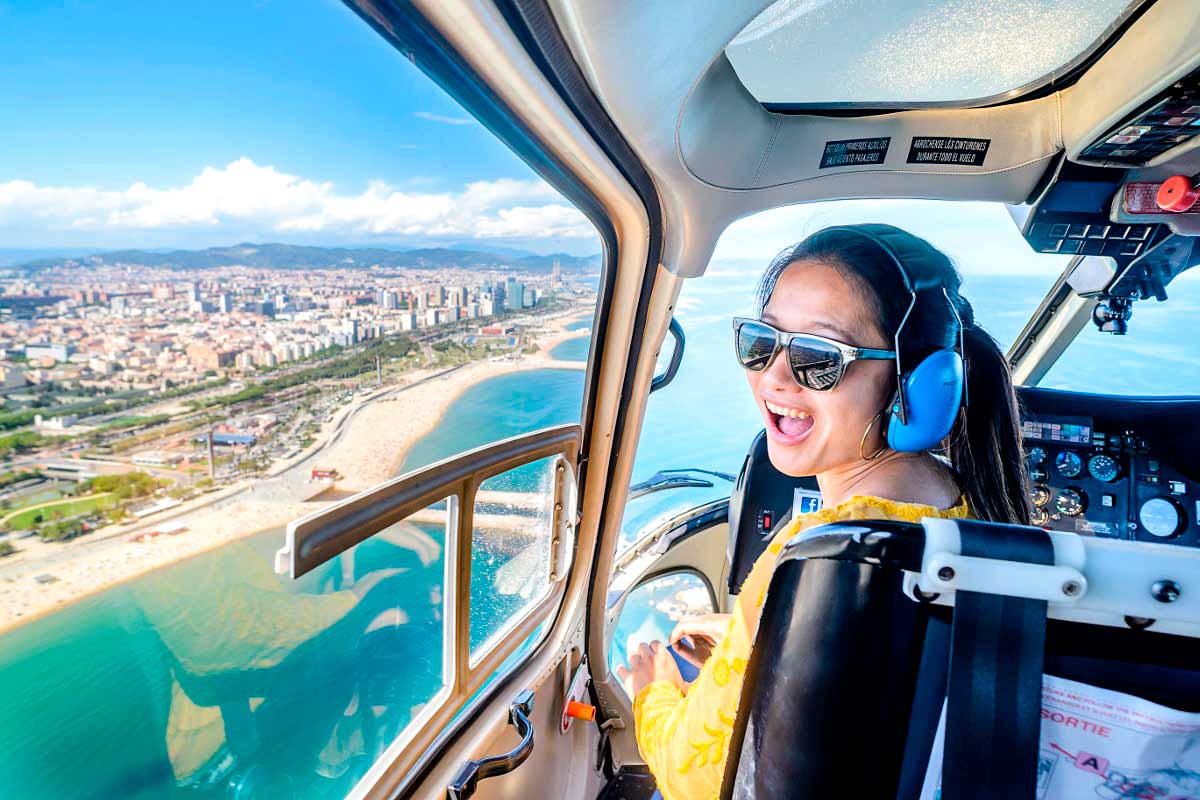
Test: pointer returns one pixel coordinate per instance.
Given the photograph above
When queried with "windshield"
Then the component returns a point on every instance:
(1157, 357)
(706, 418)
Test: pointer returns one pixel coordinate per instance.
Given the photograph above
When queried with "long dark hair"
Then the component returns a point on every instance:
(984, 446)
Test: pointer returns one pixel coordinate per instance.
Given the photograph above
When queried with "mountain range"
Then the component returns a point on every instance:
(291, 256)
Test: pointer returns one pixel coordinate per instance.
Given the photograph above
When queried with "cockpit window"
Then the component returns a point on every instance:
(845, 52)
(254, 262)
(1002, 277)
(1157, 357)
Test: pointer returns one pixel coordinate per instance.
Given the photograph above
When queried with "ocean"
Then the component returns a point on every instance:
(215, 672)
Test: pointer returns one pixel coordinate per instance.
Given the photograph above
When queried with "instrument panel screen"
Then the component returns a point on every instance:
(1065, 430)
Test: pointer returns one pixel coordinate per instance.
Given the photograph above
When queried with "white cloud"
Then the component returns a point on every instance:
(246, 196)
(429, 116)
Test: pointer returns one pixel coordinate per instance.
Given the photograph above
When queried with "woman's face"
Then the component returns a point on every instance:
(810, 432)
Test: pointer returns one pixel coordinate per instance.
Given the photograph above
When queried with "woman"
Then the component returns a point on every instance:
(830, 419)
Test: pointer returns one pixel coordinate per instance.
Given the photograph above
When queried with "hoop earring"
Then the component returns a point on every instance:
(863, 441)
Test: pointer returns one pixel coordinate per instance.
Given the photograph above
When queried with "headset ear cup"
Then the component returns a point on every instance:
(933, 391)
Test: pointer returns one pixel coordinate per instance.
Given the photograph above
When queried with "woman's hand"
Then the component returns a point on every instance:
(649, 663)
(705, 632)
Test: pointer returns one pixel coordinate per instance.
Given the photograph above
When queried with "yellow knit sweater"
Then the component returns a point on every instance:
(684, 738)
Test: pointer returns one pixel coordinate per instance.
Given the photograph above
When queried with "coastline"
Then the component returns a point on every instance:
(366, 442)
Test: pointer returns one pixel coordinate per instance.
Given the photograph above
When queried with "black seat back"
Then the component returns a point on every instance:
(846, 684)
(762, 500)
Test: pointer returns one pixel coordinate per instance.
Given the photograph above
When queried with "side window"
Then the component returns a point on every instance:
(651, 610)
(240, 285)
(513, 549)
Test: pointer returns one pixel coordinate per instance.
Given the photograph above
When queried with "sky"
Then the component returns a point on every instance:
(160, 124)
(148, 123)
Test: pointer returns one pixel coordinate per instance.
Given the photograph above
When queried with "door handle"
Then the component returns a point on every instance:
(464, 785)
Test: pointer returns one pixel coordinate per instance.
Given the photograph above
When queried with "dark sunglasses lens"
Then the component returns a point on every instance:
(815, 364)
(755, 345)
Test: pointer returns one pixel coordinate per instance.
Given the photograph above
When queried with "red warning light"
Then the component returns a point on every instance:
(1177, 194)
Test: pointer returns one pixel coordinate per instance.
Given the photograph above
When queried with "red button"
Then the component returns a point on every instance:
(1177, 194)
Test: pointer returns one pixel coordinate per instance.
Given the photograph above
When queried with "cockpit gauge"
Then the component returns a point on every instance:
(1039, 516)
(1103, 468)
(1068, 464)
(1070, 502)
(1038, 475)
(1160, 517)
(1034, 456)
(1040, 495)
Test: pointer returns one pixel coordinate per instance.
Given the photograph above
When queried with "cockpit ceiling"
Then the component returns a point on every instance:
(717, 154)
(920, 52)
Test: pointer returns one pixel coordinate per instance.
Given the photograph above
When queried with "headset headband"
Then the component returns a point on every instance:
(898, 246)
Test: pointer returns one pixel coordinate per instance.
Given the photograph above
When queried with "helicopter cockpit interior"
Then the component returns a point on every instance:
(1082, 119)
(940, 658)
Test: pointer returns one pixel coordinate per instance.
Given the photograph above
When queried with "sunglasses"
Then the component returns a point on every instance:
(817, 363)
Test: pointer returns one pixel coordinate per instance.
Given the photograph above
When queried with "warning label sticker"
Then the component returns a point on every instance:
(855, 152)
(1097, 743)
(948, 150)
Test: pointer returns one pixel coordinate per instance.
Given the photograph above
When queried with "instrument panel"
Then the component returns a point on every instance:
(1107, 481)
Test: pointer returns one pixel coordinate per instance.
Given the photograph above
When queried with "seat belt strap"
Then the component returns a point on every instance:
(994, 690)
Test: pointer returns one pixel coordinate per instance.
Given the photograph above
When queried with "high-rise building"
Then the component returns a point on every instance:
(193, 292)
(350, 330)
(224, 303)
(556, 275)
(391, 300)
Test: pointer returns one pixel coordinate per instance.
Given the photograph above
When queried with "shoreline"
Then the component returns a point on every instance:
(366, 442)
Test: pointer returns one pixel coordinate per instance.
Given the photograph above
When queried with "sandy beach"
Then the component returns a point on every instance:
(366, 442)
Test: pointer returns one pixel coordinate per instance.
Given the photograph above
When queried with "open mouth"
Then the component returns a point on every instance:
(786, 424)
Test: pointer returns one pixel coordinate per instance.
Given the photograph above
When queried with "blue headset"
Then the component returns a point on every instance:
(929, 394)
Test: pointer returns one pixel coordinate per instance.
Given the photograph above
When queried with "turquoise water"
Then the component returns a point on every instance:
(215, 671)
(572, 349)
(499, 408)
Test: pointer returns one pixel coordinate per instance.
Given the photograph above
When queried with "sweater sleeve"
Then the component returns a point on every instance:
(685, 738)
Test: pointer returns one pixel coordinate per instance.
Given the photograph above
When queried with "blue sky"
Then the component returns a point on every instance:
(114, 109)
(166, 124)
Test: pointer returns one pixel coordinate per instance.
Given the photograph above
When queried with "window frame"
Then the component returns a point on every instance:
(326, 534)
(629, 203)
